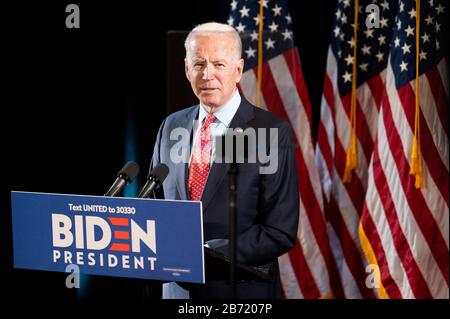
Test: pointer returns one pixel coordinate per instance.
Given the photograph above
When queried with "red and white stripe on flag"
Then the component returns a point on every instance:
(402, 230)
(344, 201)
(405, 230)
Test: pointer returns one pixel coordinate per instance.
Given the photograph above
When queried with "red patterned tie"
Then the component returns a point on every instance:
(201, 157)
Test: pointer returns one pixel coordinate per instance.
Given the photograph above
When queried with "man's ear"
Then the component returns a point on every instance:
(239, 70)
(186, 70)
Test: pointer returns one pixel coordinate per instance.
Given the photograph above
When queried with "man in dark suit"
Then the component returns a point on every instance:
(267, 201)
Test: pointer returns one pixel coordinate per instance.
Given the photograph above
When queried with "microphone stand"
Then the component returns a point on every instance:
(152, 290)
(232, 184)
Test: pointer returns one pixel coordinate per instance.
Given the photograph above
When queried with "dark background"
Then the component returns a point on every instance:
(69, 97)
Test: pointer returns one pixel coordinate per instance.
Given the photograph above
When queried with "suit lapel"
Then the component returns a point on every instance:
(182, 168)
(218, 170)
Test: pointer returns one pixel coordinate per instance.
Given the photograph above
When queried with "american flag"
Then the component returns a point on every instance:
(344, 201)
(404, 229)
(304, 270)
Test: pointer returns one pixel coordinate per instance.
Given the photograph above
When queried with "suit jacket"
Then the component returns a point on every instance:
(267, 204)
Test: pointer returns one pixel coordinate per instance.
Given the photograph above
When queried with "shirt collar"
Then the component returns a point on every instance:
(226, 113)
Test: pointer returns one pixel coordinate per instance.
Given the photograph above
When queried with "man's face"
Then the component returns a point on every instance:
(213, 69)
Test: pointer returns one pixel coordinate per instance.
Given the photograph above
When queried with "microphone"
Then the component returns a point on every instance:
(125, 175)
(154, 179)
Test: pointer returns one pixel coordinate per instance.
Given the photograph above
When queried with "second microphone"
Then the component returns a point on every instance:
(154, 179)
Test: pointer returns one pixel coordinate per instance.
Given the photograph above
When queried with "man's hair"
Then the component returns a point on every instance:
(215, 28)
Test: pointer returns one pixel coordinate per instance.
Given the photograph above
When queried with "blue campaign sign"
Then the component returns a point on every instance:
(110, 236)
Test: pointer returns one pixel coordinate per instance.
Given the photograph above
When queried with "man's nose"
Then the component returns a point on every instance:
(208, 72)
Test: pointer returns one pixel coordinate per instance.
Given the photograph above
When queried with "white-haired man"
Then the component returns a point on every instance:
(267, 204)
